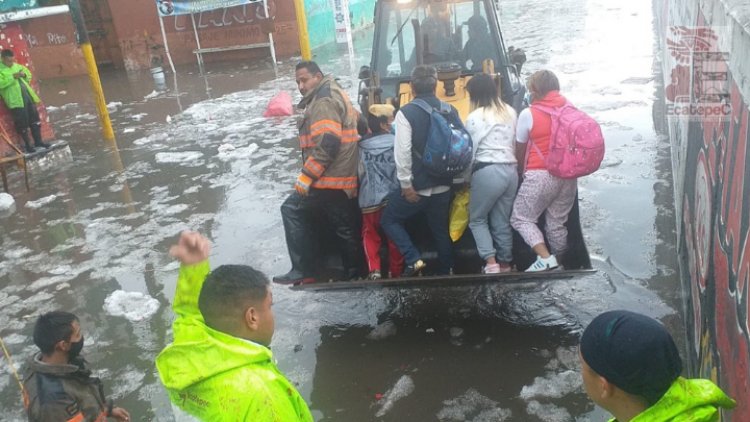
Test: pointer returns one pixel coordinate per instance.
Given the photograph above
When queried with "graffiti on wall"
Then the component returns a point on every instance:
(713, 165)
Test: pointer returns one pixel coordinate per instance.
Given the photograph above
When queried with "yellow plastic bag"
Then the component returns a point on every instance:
(459, 215)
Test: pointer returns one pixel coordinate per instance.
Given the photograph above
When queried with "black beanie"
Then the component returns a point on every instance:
(633, 352)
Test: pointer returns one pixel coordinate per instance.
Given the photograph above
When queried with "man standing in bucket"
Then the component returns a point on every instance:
(21, 99)
(327, 184)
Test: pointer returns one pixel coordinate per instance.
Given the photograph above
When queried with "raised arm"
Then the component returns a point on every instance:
(192, 251)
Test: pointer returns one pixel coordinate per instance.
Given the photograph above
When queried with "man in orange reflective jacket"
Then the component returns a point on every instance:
(327, 184)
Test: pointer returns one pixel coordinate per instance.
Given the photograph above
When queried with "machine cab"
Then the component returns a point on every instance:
(459, 37)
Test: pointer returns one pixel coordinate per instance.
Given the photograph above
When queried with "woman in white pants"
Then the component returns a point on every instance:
(493, 175)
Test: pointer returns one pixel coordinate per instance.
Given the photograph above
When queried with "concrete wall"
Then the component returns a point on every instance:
(52, 46)
(320, 19)
(705, 54)
(140, 39)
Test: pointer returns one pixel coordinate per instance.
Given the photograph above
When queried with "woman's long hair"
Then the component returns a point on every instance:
(484, 93)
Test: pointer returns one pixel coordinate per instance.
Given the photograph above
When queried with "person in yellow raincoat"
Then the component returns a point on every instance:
(219, 367)
(631, 368)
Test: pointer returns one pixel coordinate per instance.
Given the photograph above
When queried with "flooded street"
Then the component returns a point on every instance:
(91, 237)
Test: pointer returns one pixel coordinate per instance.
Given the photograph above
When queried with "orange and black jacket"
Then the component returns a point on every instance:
(328, 138)
(64, 393)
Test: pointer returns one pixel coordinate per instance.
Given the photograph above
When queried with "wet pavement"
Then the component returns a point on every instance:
(91, 237)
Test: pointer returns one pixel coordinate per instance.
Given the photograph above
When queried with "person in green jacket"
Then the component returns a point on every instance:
(21, 99)
(631, 368)
(219, 367)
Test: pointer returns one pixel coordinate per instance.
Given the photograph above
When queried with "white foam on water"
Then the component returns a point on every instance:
(184, 157)
(548, 412)
(404, 387)
(223, 148)
(6, 202)
(553, 385)
(383, 331)
(15, 338)
(473, 406)
(134, 306)
(129, 130)
(237, 153)
(40, 202)
(17, 253)
(114, 105)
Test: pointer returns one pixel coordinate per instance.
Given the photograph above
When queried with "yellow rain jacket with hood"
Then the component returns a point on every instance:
(687, 400)
(217, 377)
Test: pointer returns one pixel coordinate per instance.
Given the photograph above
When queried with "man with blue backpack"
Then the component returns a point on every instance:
(431, 148)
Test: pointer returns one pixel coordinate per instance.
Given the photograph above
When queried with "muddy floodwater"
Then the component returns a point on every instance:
(91, 237)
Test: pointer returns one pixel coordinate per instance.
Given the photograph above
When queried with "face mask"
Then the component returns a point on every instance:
(75, 349)
(393, 128)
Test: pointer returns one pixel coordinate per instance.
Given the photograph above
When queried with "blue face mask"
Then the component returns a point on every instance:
(393, 128)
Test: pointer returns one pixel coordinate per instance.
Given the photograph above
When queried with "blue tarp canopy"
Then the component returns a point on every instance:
(11, 5)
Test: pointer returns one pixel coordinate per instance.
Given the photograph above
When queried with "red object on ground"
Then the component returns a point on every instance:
(280, 105)
(15, 40)
(372, 240)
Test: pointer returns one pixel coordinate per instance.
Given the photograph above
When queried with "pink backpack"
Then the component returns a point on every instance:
(576, 145)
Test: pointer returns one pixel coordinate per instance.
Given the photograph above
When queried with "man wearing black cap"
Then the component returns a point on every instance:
(631, 368)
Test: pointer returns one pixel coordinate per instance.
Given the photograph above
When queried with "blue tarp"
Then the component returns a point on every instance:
(11, 5)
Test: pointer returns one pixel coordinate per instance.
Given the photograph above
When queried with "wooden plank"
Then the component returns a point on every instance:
(443, 281)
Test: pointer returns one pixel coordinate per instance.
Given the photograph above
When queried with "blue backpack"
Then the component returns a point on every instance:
(448, 150)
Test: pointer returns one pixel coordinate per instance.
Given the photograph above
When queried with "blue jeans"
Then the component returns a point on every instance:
(435, 209)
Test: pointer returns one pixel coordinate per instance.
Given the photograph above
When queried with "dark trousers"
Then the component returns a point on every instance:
(27, 117)
(340, 213)
(435, 209)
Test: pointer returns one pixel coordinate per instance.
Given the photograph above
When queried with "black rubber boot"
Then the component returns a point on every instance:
(27, 142)
(36, 133)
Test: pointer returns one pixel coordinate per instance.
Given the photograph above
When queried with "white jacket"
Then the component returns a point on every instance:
(493, 142)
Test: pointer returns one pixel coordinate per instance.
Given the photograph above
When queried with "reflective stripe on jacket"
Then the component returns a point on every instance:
(328, 138)
(10, 88)
(217, 377)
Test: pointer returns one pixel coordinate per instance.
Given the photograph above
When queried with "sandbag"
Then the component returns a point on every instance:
(459, 214)
(280, 105)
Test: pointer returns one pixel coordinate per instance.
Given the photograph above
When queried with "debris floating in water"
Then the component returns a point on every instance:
(382, 331)
(7, 204)
(134, 306)
(178, 157)
(39, 203)
(473, 406)
(404, 386)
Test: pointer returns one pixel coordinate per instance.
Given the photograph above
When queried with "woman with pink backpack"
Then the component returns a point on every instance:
(555, 143)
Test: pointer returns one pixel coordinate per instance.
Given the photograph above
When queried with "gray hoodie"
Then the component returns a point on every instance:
(377, 171)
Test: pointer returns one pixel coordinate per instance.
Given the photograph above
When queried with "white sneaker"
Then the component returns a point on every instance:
(543, 264)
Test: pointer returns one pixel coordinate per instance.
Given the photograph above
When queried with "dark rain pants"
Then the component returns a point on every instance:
(339, 213)
(25, 118)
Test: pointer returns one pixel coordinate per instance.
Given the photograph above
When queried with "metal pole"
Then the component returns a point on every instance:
(270, 39)
(82, 38)
(304, 37)
(166, 46)
(198, 43)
